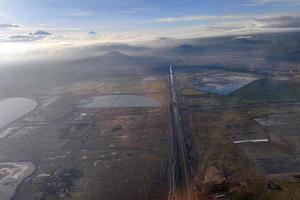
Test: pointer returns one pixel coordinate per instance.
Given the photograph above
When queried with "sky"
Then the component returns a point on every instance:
(61, 23)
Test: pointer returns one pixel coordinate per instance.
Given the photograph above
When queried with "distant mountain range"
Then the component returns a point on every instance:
(41, 33)
(232, 44)
(115, 58)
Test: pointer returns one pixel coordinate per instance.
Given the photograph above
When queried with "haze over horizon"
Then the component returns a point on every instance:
(149, 99)
(29, 26)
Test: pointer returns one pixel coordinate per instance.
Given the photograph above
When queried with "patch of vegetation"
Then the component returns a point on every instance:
(59, 186)
(191, 92)
(291, 190)
(266, 90)
(116, 128)
(250, 195)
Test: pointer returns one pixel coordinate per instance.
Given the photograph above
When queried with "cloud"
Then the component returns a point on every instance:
(22, 38)
(184, 18)
(208, 25)
(92, 33)
(6, 26)
(244, 37)
(39, 35)
(80, 14)
(281, 22)
(263, 2)
(196, 18)
(263, 23)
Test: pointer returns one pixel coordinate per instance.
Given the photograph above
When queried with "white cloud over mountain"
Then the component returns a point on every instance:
(194, 26)
(281, 22)
(6, 26)
(58, 39)
(41, 33)
(38, 35)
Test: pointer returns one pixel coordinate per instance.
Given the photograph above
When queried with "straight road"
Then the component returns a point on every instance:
(180, 170)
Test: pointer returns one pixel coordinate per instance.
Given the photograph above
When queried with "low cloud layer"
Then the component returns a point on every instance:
(21, 38)
(194, 26)
(281, 22)
(228, 24)
(80, 14)
(197, 18)
(7, 26)
(39, 35)
(58, 39)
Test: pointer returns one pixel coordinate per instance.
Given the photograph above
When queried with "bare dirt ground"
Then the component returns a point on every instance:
(99, 153)
(242, 149)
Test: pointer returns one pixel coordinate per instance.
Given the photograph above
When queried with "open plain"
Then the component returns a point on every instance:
(98, 152)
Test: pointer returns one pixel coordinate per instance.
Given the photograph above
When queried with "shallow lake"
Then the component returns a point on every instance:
(13, 108)
(120, 101)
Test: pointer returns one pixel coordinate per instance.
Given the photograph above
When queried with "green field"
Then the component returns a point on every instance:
(266, 90)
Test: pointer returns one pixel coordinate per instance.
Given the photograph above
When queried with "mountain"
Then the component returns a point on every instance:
(115, 58)
(41, 33)
(123, 47)
(187, 49)
(4, 26)
(92, 34)
(236, 44)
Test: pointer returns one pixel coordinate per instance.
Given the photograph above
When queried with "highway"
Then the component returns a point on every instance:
(180, 170)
